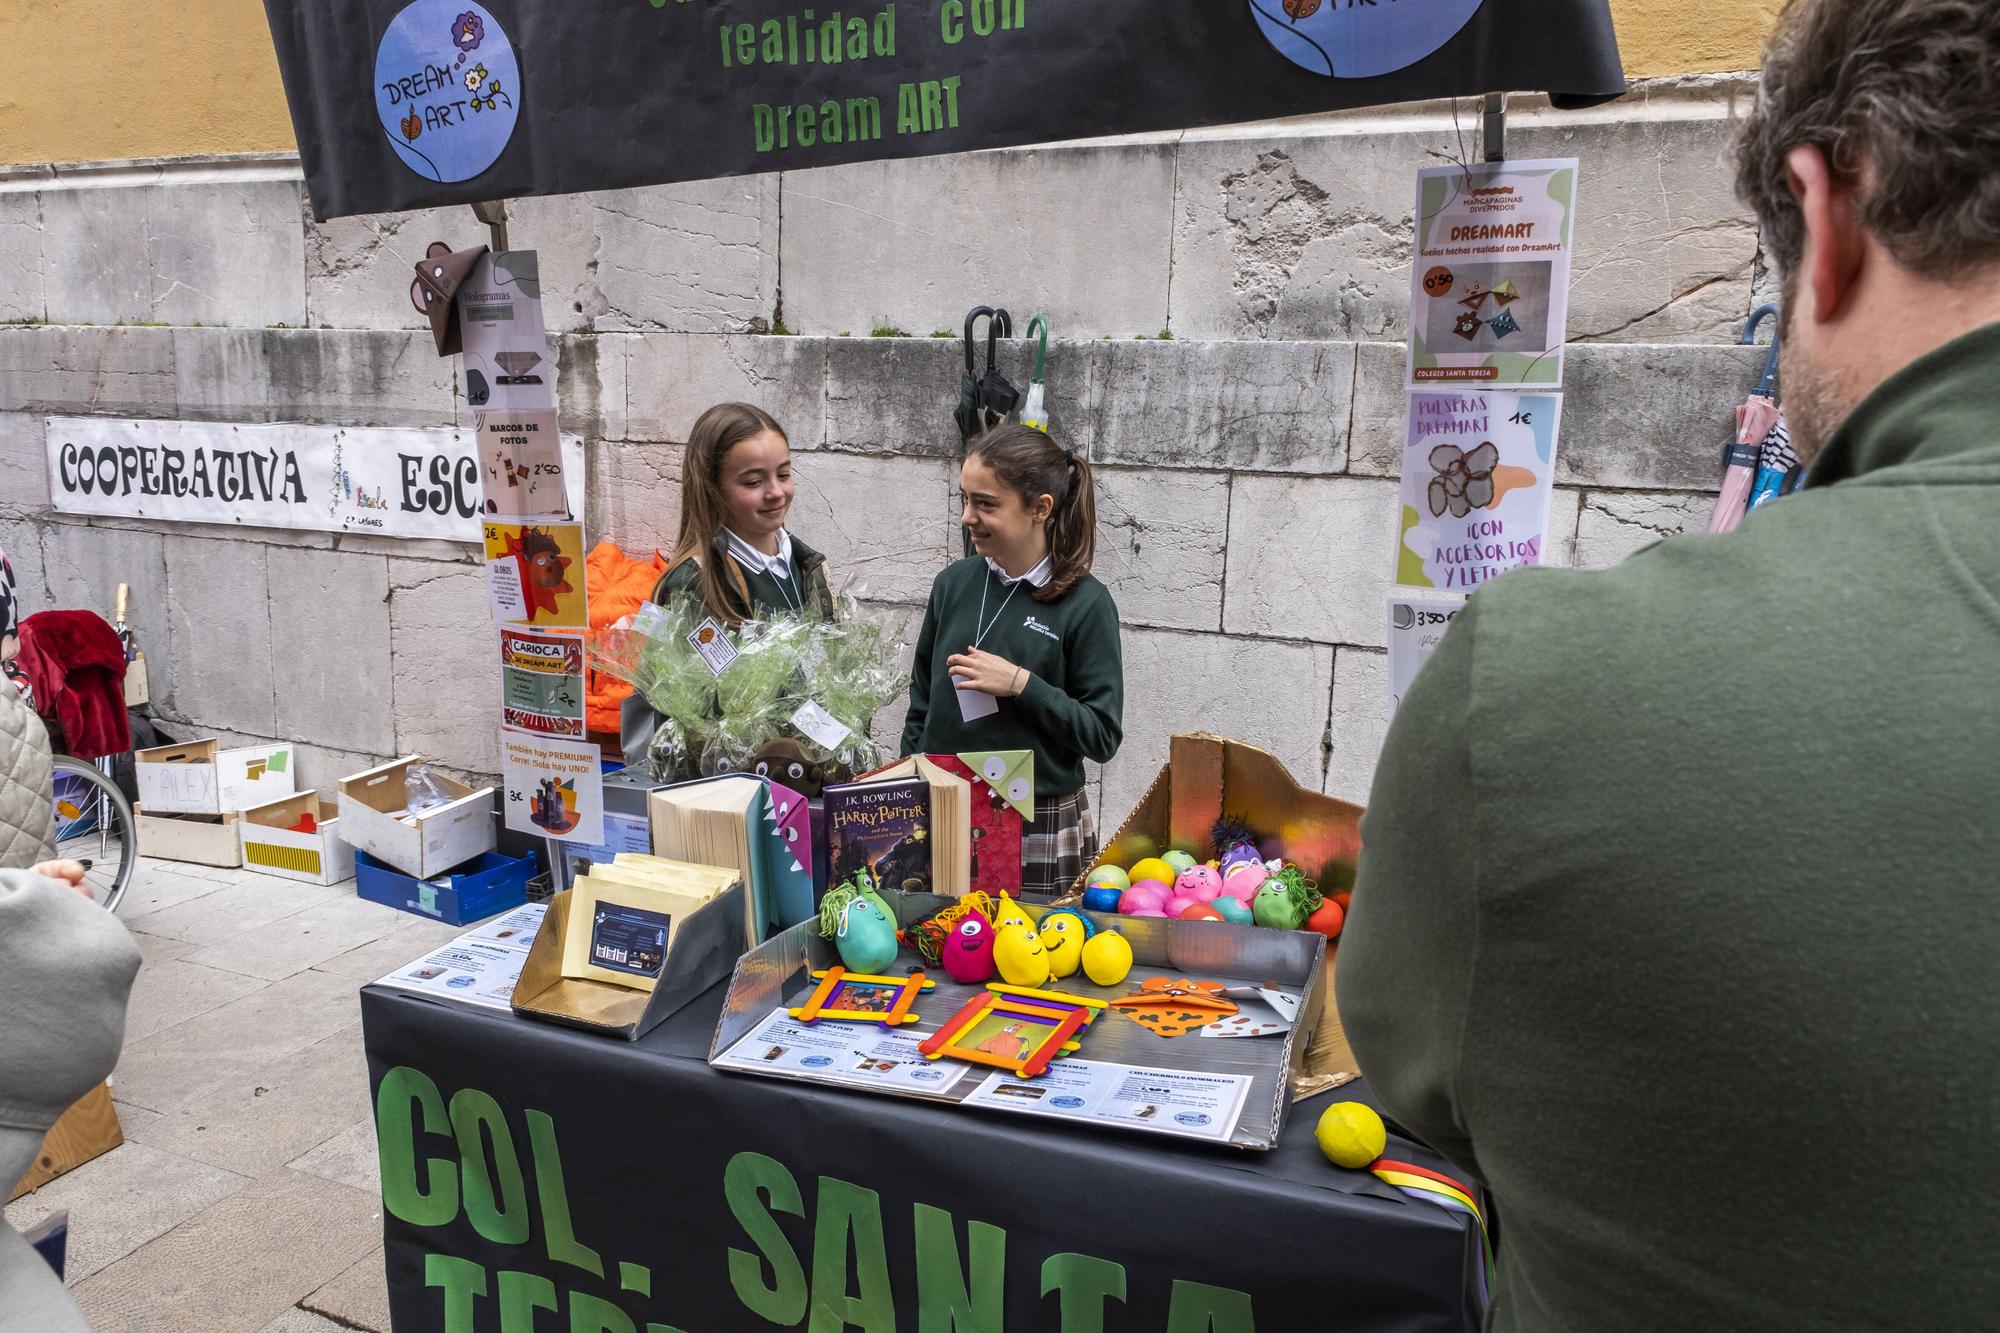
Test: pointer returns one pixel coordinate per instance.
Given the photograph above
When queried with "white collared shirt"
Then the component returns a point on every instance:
(1038, 577)
(754, 560)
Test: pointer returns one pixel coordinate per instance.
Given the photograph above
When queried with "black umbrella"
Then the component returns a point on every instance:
(984, 400)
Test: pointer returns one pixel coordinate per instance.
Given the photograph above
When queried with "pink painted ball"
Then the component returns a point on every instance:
(1146, 893)
(1147, 911)
(1178, 903)
(1243, 881)
(1201, 883)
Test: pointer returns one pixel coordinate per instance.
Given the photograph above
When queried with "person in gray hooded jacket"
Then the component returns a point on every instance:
(66, 969)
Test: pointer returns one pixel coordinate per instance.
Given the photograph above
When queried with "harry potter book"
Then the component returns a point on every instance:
(883, 826)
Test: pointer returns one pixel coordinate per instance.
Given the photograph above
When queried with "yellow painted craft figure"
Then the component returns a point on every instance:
(1009, 913)
(1019, 955)
(1064, 932)
(1351, 1135)
(1107, 957)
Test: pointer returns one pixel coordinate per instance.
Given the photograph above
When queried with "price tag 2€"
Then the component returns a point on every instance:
(711, 643)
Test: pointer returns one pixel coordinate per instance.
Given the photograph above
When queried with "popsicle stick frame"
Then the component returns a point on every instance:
(1014, 1028)
(856, 997)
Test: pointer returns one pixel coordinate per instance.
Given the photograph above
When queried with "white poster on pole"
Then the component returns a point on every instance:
(394, 482)
(1478, 468)
(1489, 291)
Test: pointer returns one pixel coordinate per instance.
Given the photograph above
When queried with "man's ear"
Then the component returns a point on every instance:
(1836, 241)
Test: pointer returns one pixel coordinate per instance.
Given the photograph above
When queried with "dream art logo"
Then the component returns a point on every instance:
(447, 87)
(1360, 39)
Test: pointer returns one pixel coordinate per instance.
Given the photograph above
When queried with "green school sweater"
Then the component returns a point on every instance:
(767, 597)
(1073, 708)
(1677, 919)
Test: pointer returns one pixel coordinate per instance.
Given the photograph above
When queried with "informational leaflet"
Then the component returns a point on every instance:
(1161, 1101)
(1416, 624)
(554, 789)
(1489, 291)
(535, 574)
(521, 465)
(541, 683)
(858, 1054)
(1477, 471)
(509, 365)
(480, 967)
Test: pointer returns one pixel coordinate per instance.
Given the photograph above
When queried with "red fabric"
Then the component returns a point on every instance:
(76, 666)
(618, 586)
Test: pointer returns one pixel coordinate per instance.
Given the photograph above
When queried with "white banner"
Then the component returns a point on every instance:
(392, 482)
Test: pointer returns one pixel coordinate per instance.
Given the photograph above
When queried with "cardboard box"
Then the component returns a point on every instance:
(372, 819)
(271, 847)
(202, 778)
(209, 840)
(1207, 775)
(491, 882)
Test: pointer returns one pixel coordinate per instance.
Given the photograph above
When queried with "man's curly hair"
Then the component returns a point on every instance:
(1903, 97)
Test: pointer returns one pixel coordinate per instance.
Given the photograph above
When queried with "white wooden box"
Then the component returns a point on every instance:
(202, 778)
(372, 818)
(271, 847)
(209, 840)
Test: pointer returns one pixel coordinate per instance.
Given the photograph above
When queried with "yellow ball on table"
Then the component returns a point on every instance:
(1351, 1135)
(1153, 868)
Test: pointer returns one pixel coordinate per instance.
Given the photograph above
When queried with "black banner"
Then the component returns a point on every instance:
(537, 1178)
(403, 105)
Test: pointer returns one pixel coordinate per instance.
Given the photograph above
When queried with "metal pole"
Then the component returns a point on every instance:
(1494, 137)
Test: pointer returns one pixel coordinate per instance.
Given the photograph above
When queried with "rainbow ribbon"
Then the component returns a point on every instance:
(1421, 1183)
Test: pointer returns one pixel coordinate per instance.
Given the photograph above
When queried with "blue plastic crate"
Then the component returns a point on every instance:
(491, 882)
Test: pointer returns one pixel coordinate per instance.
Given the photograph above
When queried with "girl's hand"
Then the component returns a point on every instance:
(976, 669)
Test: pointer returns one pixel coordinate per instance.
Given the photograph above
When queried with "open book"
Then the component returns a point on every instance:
(734, 821)
(909, 825)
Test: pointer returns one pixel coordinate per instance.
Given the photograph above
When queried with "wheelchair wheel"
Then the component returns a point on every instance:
(94, 824)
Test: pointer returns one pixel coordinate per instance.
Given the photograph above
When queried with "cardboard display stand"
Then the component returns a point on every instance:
(372, 819)
(701, 953)
(209, 840)
(202, 778)
(1207, 777)
(272, 847)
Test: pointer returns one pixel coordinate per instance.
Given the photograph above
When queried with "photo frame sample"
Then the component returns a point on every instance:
(857, 997)
(1014, 1028)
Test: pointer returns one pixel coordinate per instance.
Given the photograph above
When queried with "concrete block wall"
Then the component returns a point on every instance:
(1247, 464)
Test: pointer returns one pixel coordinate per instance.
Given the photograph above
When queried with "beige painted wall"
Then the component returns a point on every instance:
(91, 80)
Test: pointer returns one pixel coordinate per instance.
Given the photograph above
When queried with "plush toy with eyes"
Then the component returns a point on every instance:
(786, 761)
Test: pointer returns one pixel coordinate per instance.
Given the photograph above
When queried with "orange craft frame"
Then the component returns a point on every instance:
(1070, 1015)
(820, 1004)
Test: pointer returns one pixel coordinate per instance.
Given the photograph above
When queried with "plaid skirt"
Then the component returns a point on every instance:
(1057, 846)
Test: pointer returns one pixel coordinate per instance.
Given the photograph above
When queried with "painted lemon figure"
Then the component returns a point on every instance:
(1062, 937)
(1107, 957)
(1018, 953)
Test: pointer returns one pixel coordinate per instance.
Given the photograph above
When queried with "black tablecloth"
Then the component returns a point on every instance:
(537, 1178)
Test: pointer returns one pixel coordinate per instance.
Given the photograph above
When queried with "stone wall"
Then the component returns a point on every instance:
(1247, 462)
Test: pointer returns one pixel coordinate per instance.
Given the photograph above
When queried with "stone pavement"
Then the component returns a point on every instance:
(245, 1196)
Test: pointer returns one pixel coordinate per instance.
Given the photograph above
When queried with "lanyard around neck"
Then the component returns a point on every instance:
(984, 625)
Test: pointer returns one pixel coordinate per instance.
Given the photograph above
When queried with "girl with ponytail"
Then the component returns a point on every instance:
(1020, 646)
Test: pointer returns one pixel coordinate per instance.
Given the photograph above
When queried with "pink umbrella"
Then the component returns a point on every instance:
(1756, 417)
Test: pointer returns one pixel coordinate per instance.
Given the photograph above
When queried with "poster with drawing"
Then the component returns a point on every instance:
(521, 471)
(541, 683)
(534, 574)
(509, 364)
(1477, 469)
(1417, 623)
(554, 788)
(1489, 291)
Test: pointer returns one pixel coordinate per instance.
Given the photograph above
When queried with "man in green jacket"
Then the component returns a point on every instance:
(1678, 919)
